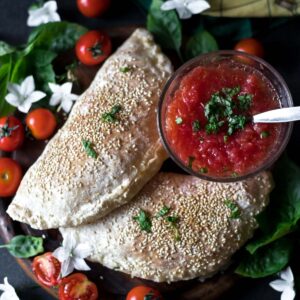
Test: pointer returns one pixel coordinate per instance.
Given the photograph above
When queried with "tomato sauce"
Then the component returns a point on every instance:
(219, 154)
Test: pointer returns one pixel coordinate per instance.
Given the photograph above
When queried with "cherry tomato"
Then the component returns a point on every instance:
(92, 8)
(47, 269)
(77, 287)
(93, 47)
(42, 123)
(11, 134)
(143, 292)
(10, 176)
(251, 46)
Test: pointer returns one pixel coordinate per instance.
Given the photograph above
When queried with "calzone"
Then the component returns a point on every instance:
(108, 148)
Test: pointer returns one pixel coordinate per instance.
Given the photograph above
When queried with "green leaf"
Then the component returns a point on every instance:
(144, 221)
(283, 213)
(88, 148)
(5, 71)
(5, 48)
(201, 42)
(267, 260)
(55, 36)
(163, 212)
(165, 26)
(23, 246)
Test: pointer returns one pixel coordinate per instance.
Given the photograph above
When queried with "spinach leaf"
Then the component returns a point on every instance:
(23, 246)
(55, 36)
(283, 213)
(201, 42)
(165, 26)
(267, 260)
(5, 48)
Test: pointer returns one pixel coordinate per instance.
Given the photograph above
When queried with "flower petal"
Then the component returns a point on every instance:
(12, 100)
(37, 17)
(288, 294)
(73, 97)
(27, 86)
(67, 267)
(82, 251)
(69, 242)
(66, 88)
(36, 96)
(66, 105)
(50, 6)
(24, 107)
(279, 285)
(287, 275)
(55, 99)
(168, 5)
(196, 7)
(14, 89)
(80, 264)
(54, 17)
(61, 254)
(183, 12)
(55, 88)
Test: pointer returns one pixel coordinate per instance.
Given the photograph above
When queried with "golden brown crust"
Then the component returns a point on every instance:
(209, 233)
(66, 187)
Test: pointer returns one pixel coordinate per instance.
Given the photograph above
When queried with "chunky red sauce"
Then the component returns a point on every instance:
(219, 154)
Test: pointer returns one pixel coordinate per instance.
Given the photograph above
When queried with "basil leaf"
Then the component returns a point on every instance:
(55, 36)
(23, 246)
(5, 48)
(201, 42)
(5, 71)
(165, 26)
(283, 213)
(267, 260)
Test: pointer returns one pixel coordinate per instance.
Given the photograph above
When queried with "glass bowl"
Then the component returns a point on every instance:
(235, 58)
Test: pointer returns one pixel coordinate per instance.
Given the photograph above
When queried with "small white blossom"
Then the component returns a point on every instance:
(45, 14)
(22, 96)
(72, 255)
(62, 95)
(186, 8)
(285, 284)
(9, 292)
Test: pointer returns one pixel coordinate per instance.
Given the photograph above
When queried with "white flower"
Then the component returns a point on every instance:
(9, 292)
(186, 8)
(22, 96)
(62, 95)
(72, 255)
(45, 14)
(285, 284)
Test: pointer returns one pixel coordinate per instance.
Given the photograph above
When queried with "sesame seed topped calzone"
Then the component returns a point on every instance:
(108, 148)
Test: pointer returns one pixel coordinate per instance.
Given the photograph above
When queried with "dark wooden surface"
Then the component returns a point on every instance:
(283, 51)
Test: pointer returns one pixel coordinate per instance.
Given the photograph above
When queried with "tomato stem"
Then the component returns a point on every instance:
(96, 50)
(6, 131)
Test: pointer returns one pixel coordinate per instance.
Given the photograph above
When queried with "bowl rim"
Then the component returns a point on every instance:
(270, 161)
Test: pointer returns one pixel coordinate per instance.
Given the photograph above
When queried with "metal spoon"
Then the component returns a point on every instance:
(288, 114)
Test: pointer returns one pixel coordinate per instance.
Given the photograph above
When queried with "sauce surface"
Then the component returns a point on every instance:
(219, 154)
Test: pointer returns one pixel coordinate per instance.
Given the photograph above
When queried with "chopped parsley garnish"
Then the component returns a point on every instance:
(190, 161)
(88, 147)
(173, 220)
(225, 138)
(125, 69)
(164, 211)
(235, 211)
(203, 170)
(264, 134)
(226, 107)
(196, 125)
(234, 174)
(111, 117)
(178, 120)
(144, 221)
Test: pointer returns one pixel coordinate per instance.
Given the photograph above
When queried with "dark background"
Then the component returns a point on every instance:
(282, 45)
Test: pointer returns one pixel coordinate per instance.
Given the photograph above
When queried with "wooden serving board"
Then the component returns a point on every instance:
(111, 284)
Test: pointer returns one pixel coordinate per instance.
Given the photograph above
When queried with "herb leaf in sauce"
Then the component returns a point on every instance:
(125, 69)
(196, 125)
(190, 161)
(235, 211)
(87, 145)
(111, 117)
(164, 211)
(144, 221)
(173, 220)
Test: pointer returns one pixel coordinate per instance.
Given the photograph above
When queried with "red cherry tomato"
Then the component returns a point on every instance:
(10, 176)
(251, 46)
(47, 269)
(141, 293)
(93, 47)
(41, 123)
(77, 287)
(11, 134)
(92, 8)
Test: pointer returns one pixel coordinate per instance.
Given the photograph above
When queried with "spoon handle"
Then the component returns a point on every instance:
(288, 114)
